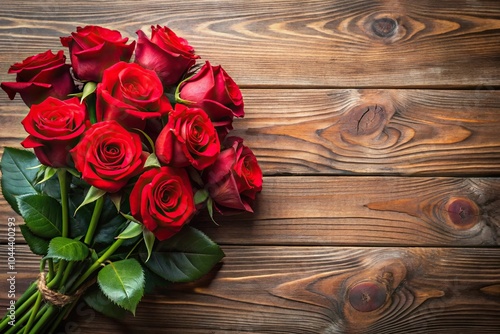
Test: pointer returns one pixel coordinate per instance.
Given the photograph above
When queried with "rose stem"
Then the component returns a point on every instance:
(63, 184)
(19, 323)
(22, 304)
(51, 269)
(88, 236)
(94, 220)
(34, 312)
(62, 315)
(98, 263)
(47, 314)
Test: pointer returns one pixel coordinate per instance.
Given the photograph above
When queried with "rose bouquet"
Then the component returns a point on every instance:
(129, 143)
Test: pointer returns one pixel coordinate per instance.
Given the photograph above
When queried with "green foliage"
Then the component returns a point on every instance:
(42, 215)
(131, 231)
(38, 246)
(149, 241)
(200, 196)
(92, 195)
(123, 283)
(67, 249)
(96, 299)
(17, 176)
(185, 257)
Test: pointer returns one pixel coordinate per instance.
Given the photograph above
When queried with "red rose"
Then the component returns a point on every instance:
(54, 127)
(213, 90)
(235, 178)
(39, 77)
(168, 55)
(130, 94)
(108, 156)
(189, 138)
(162, 199)
(93, 49)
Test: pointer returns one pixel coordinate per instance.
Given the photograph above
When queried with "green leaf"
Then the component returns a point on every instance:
(79, 221)
(148, 138)
(200, 196)
(131, 218)
(149, 241)
(133, 230)
(123, 283)
(152, 161)
(108, 230)
(37, 245)
(116, 198)
(93, 255)
(47, 174)
(88, 89)
(153, 281)
(42, 214)
(96, 299)
(75, 94)
(74, 172)
(17, 177)
(210, 207)
(92, 195)
(111, 224)
(185, 257)
(67, 249)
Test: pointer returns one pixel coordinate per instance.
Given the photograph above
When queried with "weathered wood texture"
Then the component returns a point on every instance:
(319, 290)
(356, 211)
(348, 131)
(343, 43)
(385, 117)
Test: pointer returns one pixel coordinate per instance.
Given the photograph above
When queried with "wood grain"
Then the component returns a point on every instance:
(330, 290)
(376, 124)
(344, 43)
(368, 211)
(360, 211)
(349, 131)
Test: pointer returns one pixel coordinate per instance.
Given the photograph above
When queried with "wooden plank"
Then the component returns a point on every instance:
(329, 290)
(348, 131)
(343, 43)
(368, 211)
(361, 211)
(374, 131)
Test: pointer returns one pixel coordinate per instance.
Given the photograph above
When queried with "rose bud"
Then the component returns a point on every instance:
(167, 54)
(108, 156)
(214, 91)
(235, 178)
(39, 77)
(93, 49)
(54, 127)
(162, 199)
(189, 138)
(130, 94)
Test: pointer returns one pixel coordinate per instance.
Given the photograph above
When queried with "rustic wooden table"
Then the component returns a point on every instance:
(377, 125)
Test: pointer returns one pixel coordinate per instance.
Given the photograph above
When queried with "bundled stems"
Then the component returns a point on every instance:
(32, 314)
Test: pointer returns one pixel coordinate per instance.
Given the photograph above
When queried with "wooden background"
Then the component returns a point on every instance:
(377, 125)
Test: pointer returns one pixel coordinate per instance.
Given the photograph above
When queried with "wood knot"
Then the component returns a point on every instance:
(365, 120)
(463, 213)
(367, 296)
(384, 27)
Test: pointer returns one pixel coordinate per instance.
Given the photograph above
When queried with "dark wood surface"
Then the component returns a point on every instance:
(377, 125)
